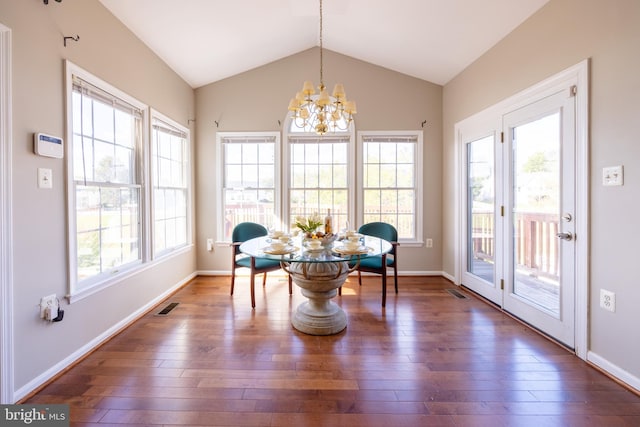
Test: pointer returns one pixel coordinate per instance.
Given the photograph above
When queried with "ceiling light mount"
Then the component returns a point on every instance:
(322, 113)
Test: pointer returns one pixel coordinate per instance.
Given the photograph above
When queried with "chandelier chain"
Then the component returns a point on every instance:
(321, 56)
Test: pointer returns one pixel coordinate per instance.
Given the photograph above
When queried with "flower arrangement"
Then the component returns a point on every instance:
(308, 225)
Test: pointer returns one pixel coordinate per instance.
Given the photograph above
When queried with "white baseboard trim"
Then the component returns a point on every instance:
(221, 272)
(422, 273)
(614, 370)
(97, 341)
(449, 277)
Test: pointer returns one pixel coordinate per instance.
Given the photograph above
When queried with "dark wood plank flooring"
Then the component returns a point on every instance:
(428, 359)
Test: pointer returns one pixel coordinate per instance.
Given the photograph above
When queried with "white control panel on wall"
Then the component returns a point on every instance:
(48, 145)
(612, 175)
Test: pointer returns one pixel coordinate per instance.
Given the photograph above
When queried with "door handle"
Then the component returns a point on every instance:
(565, 236)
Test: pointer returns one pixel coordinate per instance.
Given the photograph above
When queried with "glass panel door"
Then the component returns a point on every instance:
(481, 208)
(482, 255)
(536, 211)
(539, 185)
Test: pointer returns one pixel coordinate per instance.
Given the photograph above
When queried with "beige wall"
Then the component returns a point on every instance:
(258, 99)
(108, 50)
(561, 34)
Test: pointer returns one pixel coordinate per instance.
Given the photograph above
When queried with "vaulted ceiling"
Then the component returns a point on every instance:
(208, 40)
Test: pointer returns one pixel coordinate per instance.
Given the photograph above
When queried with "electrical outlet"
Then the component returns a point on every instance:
(45, 302)
(210, 245)
(608, 300)
(429, 243)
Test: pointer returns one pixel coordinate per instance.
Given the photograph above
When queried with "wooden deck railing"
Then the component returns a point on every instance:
(535, 242)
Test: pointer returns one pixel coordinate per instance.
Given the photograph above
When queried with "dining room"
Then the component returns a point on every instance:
(113, 230)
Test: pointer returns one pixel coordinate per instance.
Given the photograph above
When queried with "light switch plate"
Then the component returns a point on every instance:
(612, 175)
(45, 178)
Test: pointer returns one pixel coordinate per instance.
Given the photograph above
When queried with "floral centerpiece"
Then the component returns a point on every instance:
(309, 226)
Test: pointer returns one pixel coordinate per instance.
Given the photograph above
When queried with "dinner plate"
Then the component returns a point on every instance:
(284, 251)
(320, 249)
(361, 250)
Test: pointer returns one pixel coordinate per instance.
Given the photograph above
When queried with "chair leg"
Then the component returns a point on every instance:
(290, 285)
(233, 278)
(253, 282)
(384, 287)
(359, 278)
(395, 276)
(264, 280)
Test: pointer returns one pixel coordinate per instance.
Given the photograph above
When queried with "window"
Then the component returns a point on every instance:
(319, 177)
(115, 221)
(105, 194)
(170, 169)
(249, 165)
(390, 175)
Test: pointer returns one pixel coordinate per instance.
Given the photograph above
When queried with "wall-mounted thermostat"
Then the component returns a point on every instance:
(47, 145)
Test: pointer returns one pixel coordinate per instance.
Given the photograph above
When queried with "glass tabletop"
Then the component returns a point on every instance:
(298, 251)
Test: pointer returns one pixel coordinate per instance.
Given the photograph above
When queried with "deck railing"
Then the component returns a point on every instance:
(535, 241)
(265, 214)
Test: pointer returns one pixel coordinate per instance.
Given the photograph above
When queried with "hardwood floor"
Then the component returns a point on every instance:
(428, 359)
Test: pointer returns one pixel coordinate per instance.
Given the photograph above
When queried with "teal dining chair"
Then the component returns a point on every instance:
(379, 264)
(241, 233)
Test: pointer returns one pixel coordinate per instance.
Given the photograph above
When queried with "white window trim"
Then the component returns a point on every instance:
(100, 283)
(286, 154)
(150, 222)
(419, 218)
(220, 136)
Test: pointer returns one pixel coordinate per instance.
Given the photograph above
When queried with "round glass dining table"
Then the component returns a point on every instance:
(319, 273)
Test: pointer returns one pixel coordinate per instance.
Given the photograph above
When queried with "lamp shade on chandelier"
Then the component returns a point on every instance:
(322, 113)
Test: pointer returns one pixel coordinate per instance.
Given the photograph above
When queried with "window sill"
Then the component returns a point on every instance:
(124, 275)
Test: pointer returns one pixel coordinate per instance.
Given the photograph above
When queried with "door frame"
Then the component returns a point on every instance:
(578, 76)
(6, 259)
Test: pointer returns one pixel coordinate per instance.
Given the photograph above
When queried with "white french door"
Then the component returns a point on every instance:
(518, 210)
(539, 188)
(482, 213)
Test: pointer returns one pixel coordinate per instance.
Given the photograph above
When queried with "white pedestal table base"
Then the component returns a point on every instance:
(319, 282)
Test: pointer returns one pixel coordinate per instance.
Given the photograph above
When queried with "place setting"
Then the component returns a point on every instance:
(280, 245)
(352, 245)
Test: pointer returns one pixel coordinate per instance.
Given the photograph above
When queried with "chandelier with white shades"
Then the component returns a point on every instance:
(322, 113)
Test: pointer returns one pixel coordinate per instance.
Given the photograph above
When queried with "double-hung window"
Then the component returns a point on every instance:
(170, 171)
(391, 174)
(319, 177)
(249, 171)
(105, 184)
(116, 221)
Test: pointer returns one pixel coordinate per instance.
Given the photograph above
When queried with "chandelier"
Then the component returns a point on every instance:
(322, 113)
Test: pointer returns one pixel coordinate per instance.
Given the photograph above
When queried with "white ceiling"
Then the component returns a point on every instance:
(208, 40)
